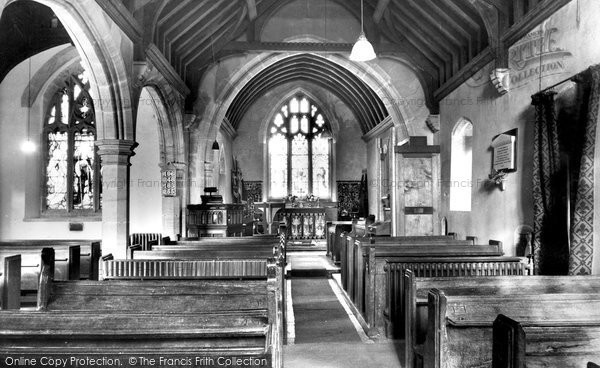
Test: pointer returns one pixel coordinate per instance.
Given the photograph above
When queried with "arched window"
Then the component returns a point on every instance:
(299, 148)
(461, 166)
(71, 177)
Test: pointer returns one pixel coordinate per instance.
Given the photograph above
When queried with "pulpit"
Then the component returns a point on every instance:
(215, 220)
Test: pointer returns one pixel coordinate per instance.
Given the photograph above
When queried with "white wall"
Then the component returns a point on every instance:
(145, 205)
(20, 174)
(496, 214)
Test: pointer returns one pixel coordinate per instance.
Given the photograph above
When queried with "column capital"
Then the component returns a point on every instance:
(115, 151)
(173, 165)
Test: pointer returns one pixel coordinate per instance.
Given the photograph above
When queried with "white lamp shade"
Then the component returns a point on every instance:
(362, 50)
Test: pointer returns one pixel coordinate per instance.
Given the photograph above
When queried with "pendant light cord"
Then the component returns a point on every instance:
(362, 28)
(29, 99)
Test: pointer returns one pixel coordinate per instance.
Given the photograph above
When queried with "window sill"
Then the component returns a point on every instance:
(59, 218)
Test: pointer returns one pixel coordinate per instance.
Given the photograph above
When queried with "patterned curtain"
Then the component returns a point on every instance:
(550, 233)
(582, 229)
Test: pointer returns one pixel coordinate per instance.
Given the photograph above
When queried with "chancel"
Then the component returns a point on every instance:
(300, 183)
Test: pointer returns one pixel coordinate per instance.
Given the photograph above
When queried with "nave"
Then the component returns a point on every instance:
(416, 179)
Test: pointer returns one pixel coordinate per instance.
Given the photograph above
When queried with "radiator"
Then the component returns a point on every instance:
(394, 310)
(143, 239)
(169, 269)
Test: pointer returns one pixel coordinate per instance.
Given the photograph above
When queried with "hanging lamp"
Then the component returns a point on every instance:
(362, 50)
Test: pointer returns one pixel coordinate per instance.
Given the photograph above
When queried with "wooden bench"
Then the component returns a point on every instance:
(358, 254)
(373, 294)
(459, 327)
(66, 262)
(423, 273)
(417, 290)
(145, 240)
(89, 257)
(10, 282)
(348, 251)
(212, 318)
(230, 245)
(334, 230)
(544, 344)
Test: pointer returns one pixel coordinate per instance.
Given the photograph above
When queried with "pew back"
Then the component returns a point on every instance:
(374, 278)
(89, 257)
(459, 330)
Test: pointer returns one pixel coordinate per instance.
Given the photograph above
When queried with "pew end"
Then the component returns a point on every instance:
(10, 283)
(508, 348)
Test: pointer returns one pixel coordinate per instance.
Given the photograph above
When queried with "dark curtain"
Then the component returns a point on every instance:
(550, 228)
(582, 220)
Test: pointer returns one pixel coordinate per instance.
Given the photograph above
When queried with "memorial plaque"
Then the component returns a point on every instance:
(169, 183)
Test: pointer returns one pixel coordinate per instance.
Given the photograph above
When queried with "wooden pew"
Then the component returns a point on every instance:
(89, 257)
(142, 239)
(66, 266)
(348, 252)
(375, 279)
(544, 344)
(212, 318)
(357, 258)
(459, 327)
(417, 290)
(402, 277)
(10, 282)
(334, 230)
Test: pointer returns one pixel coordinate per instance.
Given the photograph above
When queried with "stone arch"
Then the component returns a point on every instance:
(216, 106)
(52, 71)
(169, 106)
(94, 39)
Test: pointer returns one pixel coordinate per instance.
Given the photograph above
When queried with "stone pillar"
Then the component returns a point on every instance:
(114, 157)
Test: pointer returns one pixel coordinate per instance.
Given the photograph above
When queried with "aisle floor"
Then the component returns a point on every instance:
(324, 333)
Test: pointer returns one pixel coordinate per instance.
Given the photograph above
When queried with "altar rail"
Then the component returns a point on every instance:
(305, 223)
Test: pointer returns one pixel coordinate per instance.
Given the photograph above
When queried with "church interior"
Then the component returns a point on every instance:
(300, 183)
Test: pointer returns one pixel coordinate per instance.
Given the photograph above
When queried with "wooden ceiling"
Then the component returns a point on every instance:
(438, 36)
(362, 100)
(443, 41)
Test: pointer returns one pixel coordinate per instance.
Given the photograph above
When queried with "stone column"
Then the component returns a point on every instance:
(114, 157)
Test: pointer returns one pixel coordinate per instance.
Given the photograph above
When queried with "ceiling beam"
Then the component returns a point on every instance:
(379, 9)
(464, 74)
(532, 19)
(122, 18)
(252, 13)
(496, 24)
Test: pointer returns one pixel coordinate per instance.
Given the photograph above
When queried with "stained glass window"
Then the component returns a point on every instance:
(299, 151)
(71, 165)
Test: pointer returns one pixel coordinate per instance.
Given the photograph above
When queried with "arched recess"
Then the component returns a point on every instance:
(171, 107)
(329, 116)
(146, 205)
(214, 111)
(102, 57)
